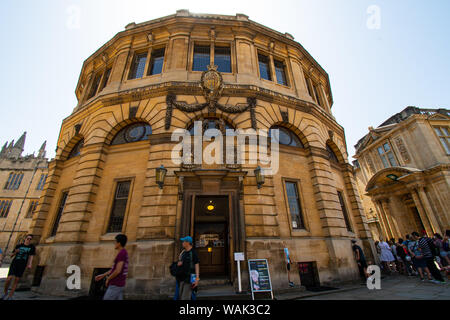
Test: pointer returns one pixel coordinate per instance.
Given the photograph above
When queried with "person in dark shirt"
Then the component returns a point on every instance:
(188, 261)
(116, 277)
(23, 258)
(425, 247)
(360, 259)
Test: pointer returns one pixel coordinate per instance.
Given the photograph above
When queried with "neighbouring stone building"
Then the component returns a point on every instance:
(106, 178)
(402, 173)
(22, 180)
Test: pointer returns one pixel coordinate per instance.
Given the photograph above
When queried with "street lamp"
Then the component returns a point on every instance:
(160, 176)
(259, 177)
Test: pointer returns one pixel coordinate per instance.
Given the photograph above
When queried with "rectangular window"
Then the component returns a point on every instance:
(10, 178)
(42, 181)
(14, 181)
(444, 136)
(308, 86)
(317, 95)
(138, 66)
(294, 205)
(264, 67)
(222, 59)
(31, 209)
(106, 76)
(156, 62)
(280, 72)
(386, 155)
(119, 206)
(202, 58)
(344, 211)
(5, 205)
(95, 85)
(62, 204)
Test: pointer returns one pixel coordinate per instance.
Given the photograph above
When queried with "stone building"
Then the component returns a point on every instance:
(225, 72)
(22, 180)
(402, 173)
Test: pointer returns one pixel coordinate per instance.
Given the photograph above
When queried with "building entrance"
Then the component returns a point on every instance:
(211, 234)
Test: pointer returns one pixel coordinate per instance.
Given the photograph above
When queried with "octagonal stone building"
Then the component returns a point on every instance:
(148, 81)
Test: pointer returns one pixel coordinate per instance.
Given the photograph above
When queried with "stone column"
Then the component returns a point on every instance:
(428, 210)
(387, 225)
(392, 224)
(422, 211)
(119, 68)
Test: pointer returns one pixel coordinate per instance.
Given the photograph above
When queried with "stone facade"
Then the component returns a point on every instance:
(411, 193)
(258, 219)
(21, 183)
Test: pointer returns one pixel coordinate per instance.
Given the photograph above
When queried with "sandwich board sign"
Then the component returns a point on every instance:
(259, 276)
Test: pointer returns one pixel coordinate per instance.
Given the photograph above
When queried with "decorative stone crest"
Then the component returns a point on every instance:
(212, 85)
(401, 147)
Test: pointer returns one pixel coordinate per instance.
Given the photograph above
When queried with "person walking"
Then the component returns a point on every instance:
(23, 258)
(117, 275)
(386, 256)
(426, 247)
(417, 257)
(360, 259)
(1, 257)
(189, 277)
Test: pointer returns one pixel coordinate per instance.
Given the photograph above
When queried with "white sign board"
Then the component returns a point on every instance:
(239, 256)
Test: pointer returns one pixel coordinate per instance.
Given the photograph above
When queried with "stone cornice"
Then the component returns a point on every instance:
(193, 88)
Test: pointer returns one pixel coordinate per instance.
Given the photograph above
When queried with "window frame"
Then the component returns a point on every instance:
(283, 62)
(57, 221)
(32, 205)
(446, 137)
(136, 53)
(301, 200)
(384, 156)
(212, 46)
(346, 215)
(8, 202)
(42, 181)
(150, 60)
(269, 64)
(112, 198)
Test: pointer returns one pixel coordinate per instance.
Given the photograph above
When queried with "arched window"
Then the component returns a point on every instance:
(287, 137)
(331, 155)
(212, 123)
(133, 133)
(76, 150)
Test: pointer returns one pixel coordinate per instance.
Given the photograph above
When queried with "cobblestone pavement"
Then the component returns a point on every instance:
(393, 288)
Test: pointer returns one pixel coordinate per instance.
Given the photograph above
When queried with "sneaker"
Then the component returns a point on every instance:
(434, 281)
(422, 279)
(291, 284)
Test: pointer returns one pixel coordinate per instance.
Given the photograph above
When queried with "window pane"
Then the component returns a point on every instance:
(157, 61)
(264, 69)
(391, 159)
(132, 133)
(294, 205)
(137, 70)
(222, 58)
(385, 163)
(280, 72)
(344, 211)
(76, 151)
(317, 95)
(201, 58)
(62, 204)
(105, 78)
(438, 131)
(119, 206)
(445, 131)
(386, 147)
(446, 143)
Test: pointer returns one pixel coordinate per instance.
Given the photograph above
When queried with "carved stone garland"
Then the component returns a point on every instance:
(212, 85)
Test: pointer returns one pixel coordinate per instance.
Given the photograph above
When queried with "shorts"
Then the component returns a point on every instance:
(17, 268)
(420, 263)
(444, 254)
(288, 267)
(113, 293)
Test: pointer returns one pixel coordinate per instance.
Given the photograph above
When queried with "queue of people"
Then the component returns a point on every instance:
(416, 255)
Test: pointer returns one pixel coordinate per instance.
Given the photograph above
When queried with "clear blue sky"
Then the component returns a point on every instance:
(374, 73)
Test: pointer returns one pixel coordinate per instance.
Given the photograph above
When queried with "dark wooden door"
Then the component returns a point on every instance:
(308, 274)
(211, 245)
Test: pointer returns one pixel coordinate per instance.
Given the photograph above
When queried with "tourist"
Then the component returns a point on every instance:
(116, 277)
(418, 259)
(426, 245)
(187, 280)
(393, 247)
(23, 258)
(360, 259)
(1, 257)
(404, 258)
(439, 243)
(386, 257)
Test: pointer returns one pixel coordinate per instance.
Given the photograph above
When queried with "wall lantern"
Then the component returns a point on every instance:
(160, 176)
(259, 177)
(393, 177)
